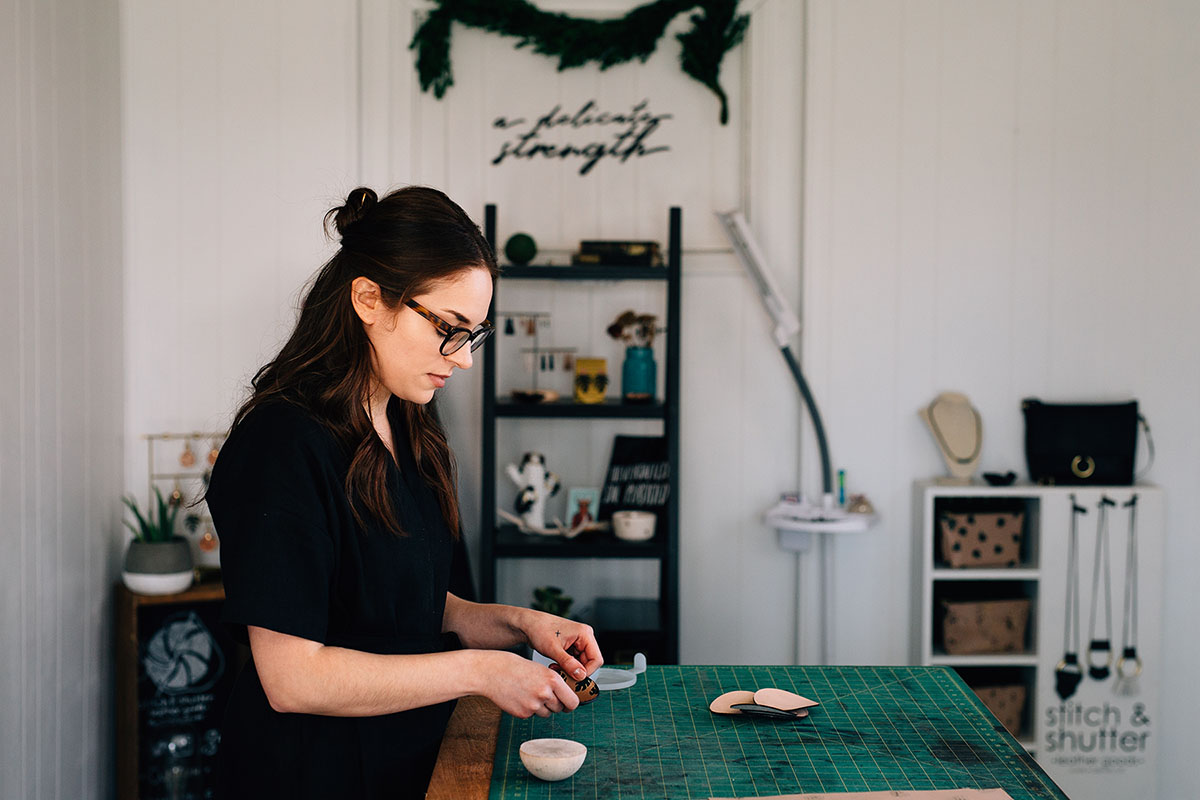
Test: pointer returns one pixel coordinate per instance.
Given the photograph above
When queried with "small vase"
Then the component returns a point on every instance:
(638, 375)
(158, 567)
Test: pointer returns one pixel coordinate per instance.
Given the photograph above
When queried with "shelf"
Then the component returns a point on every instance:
(585, 272)
(511, 543)
(1025, 659)
(998, 574)
(569, 408)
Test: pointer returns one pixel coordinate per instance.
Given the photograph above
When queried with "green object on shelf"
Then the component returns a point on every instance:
(551, 600)
(520, 248)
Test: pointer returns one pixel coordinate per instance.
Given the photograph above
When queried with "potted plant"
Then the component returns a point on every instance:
(157, 561)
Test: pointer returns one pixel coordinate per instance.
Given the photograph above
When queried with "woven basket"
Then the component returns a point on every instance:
(987, 539)
(1007, 704)
(985, 626)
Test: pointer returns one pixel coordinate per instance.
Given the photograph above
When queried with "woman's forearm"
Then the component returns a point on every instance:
(301, 676)
(485, 625)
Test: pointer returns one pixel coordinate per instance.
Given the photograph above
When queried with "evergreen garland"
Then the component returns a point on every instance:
(716, 29)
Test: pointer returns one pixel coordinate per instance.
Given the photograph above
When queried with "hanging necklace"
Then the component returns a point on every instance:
(1100, 671)
(1068, 673)
(1129, 667)
(942, 443)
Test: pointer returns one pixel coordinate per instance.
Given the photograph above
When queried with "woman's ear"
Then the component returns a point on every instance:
(366, 299)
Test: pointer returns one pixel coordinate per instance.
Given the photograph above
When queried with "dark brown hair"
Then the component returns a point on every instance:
(405, 242)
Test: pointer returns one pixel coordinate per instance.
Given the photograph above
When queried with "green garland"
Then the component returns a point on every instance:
(716, 29)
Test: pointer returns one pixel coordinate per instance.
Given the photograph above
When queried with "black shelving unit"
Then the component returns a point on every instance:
(623, 624)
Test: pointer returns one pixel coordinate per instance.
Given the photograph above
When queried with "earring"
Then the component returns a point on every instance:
(208, 542)
(187, 458)
(509, 328)
(176, 498)
(212, 453)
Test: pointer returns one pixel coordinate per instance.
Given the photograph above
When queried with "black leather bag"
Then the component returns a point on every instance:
(1079, 444)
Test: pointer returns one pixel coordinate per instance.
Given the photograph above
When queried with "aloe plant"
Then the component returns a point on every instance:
(152, 527)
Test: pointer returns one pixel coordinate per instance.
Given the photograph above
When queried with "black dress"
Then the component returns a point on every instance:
(293, 560)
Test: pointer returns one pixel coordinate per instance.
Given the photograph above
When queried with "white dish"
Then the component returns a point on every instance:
(552, 759)
(633, 526)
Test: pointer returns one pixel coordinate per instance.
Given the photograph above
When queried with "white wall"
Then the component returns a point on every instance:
(60, 395)
(1001, 200)
(979, 179)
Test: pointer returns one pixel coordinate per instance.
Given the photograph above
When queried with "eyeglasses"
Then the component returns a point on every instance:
(455, 337)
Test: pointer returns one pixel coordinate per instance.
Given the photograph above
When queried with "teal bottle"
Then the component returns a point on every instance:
(638, 375)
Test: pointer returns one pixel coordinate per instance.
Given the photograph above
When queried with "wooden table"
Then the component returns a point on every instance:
(877, 728)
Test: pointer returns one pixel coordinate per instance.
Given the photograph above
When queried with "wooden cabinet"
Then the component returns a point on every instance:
(175, 669)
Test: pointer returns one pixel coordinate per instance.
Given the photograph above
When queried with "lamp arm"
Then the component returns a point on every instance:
(786, 323)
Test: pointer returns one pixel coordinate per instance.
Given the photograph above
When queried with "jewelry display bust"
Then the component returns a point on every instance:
(957, 431)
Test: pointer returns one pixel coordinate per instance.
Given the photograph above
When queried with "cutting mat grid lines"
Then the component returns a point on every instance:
(877, 728)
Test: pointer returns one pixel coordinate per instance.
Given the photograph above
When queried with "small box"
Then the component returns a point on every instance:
(985, 626)
(1007, 704)
(981, 539)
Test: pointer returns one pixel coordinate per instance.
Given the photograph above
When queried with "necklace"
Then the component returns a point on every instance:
(937, 432)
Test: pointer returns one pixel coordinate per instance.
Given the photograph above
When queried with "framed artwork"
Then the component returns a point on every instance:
(583, 503)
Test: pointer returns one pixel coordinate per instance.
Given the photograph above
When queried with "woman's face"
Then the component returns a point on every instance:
(407, 358)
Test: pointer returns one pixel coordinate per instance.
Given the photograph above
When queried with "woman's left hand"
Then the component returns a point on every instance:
(572, 645)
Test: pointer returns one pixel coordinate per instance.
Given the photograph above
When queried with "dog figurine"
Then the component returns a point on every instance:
(535, 483)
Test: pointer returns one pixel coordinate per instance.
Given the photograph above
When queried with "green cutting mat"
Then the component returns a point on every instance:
(877, 728)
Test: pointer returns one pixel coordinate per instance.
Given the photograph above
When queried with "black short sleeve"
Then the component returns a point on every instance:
(270, 498)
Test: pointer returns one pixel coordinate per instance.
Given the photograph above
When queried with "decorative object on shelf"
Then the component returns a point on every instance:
(638, 477)
(618, 253)
(859, 504)
(638, 372)
(535, 484)
(187, 459)
(1068, 673)
(520, 248)
(997, 479)
(157, 561)
(1075, 444)
(552, 600)
(715, 29)
(957, 429)
(633, 526)
(981, 538)
(639, 375)
(583, 503)
(591, 380)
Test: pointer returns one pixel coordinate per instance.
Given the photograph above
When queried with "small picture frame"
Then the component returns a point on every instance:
(583, 505)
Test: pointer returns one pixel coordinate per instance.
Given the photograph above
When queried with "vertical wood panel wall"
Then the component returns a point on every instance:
(60, 393)
(1002, 200)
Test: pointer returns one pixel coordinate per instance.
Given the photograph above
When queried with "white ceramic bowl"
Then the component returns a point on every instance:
(633, 526)
(553, 759)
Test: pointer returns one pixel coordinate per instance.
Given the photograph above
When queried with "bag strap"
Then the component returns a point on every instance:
(1150, 447)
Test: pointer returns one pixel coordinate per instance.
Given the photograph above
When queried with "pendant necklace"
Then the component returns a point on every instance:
(942, 443)
(1068, 673)
(1129, 667)
(1100, 671)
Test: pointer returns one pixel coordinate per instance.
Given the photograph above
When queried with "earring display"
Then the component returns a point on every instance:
(172, 463)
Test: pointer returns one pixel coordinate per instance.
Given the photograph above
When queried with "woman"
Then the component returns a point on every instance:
(334, 498)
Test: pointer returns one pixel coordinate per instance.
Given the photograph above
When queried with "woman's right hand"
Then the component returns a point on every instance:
(524, 688)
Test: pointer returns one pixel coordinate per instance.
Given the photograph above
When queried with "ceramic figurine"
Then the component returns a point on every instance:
(535, 483)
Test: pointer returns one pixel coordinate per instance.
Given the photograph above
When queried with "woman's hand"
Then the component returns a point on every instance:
(524, 688)
(572, 645)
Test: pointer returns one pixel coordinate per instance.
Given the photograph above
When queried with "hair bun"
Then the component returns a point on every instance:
(358, 204)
